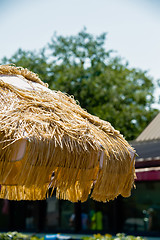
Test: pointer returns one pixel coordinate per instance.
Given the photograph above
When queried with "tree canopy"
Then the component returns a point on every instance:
(103, 84)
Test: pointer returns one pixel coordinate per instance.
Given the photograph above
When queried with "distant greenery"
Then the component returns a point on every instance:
(18, 236)
(103, 84)
(119, 236)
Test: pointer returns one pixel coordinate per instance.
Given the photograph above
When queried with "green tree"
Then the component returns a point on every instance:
(104, 85)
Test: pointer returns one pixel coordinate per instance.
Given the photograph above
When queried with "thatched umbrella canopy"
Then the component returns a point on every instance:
(48, 141)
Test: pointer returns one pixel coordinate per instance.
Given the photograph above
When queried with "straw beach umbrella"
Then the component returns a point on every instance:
(48, 141)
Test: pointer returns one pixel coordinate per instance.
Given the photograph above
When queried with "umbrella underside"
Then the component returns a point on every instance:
(47, 142)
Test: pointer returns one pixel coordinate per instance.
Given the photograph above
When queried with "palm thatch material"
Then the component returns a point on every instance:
(48, 141)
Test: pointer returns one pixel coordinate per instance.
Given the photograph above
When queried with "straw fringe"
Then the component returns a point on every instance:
(66, 148)
(22, 193)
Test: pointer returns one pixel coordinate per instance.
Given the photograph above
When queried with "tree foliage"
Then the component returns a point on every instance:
(104, 85)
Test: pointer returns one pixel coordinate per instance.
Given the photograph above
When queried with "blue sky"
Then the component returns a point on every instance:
(133, 26)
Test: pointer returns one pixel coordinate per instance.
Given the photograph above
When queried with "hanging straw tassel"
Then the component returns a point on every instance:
(48, 141)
